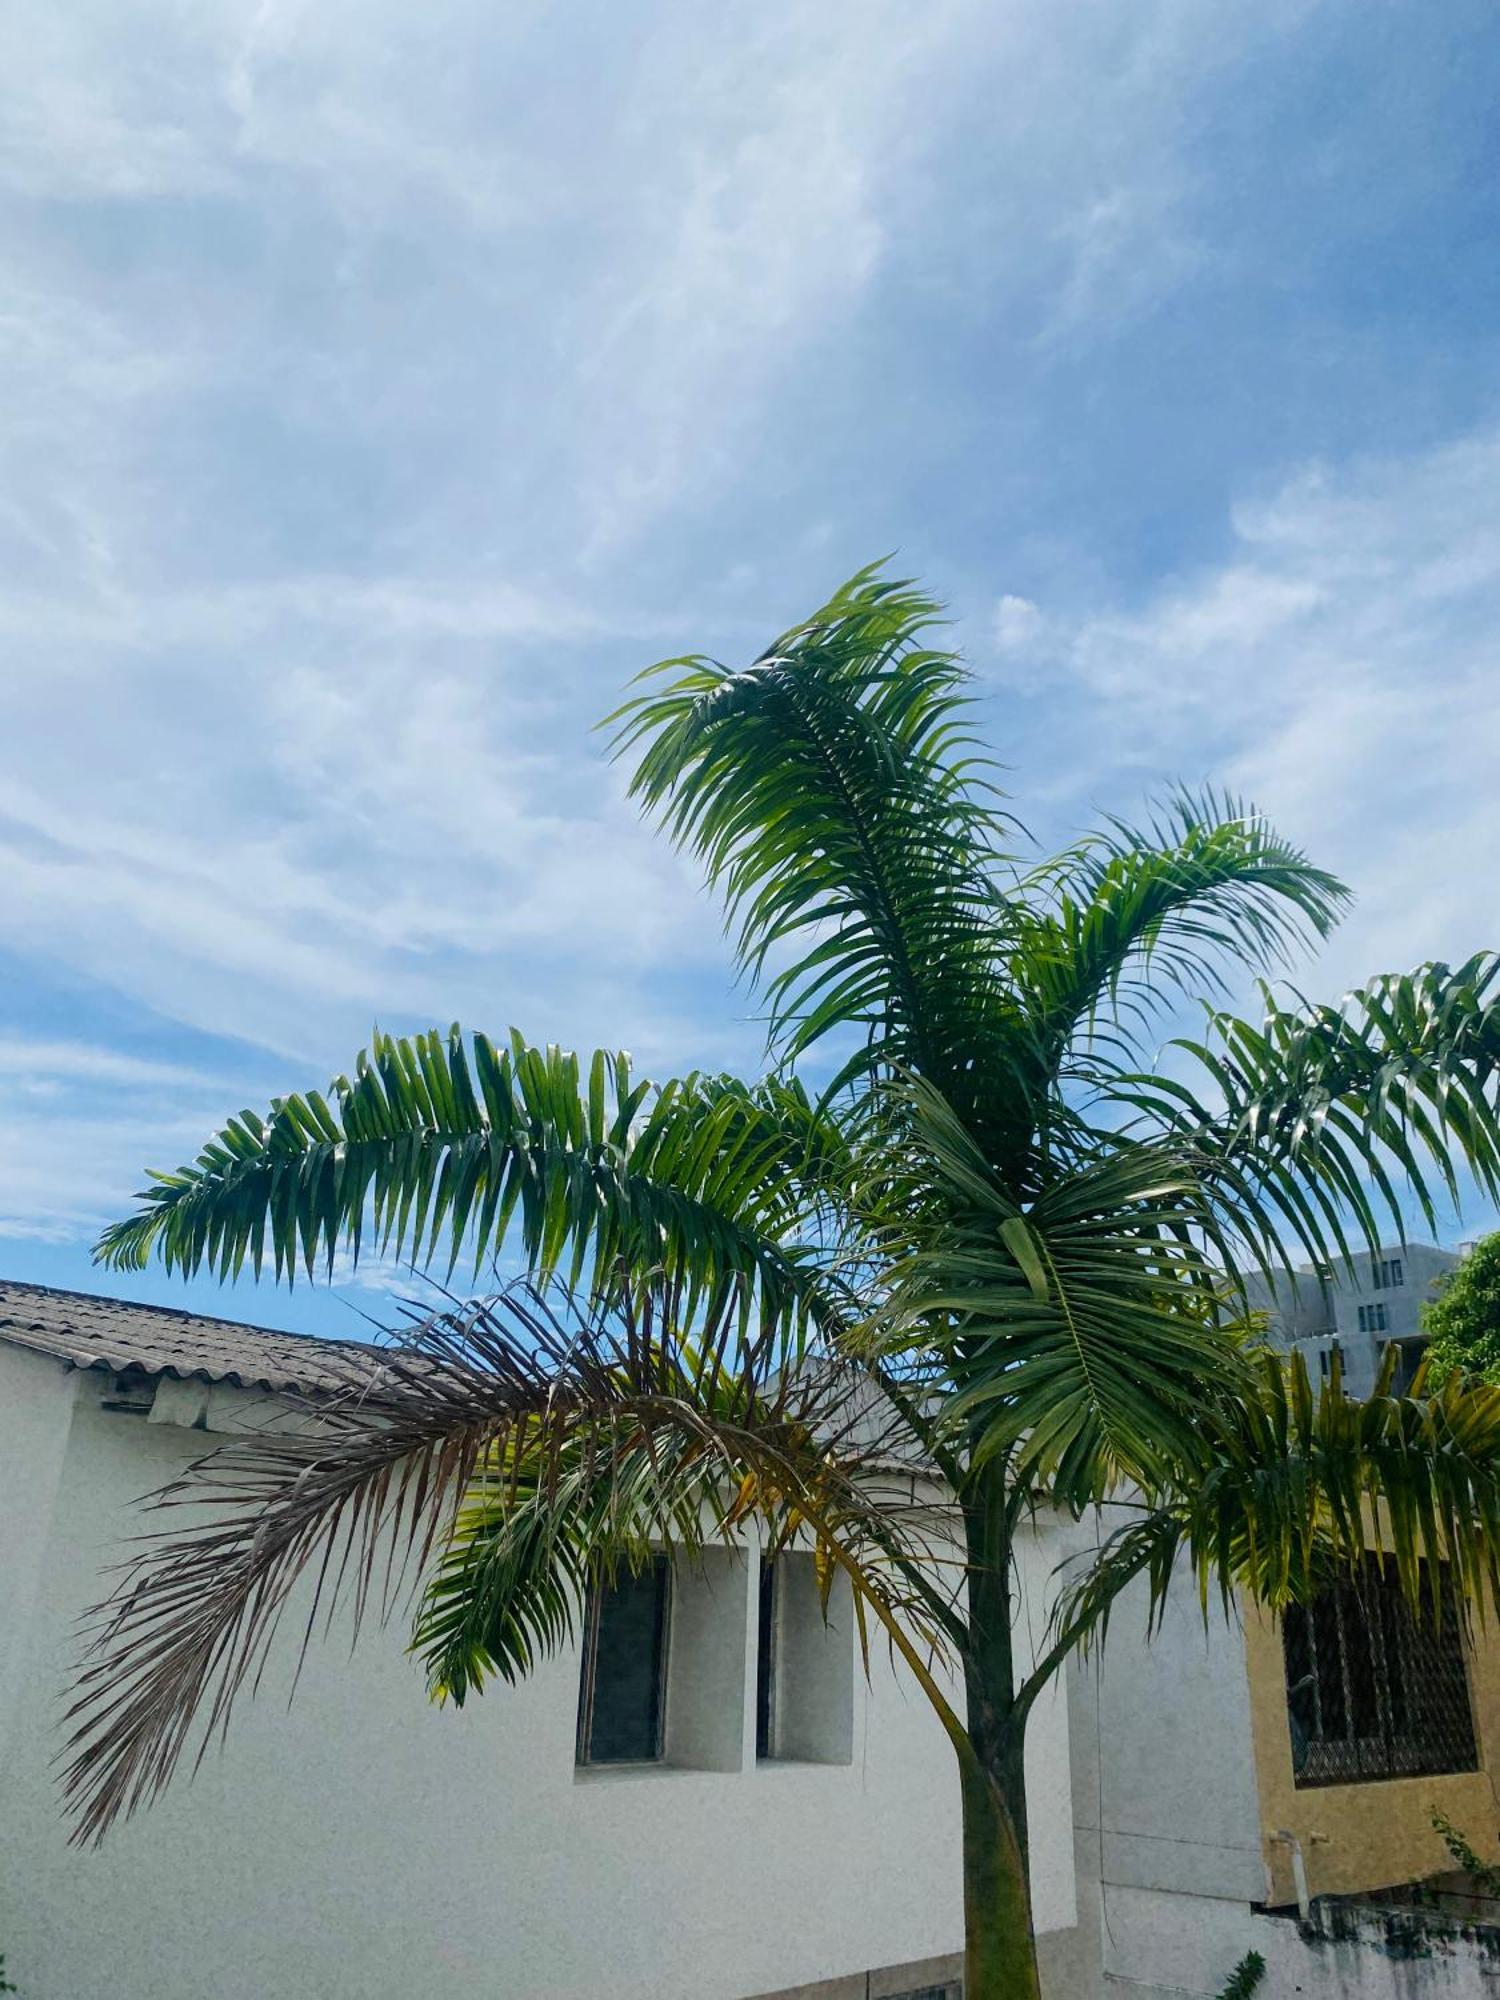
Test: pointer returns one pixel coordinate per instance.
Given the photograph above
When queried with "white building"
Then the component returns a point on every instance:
(1358, 1309)
(364, 1845)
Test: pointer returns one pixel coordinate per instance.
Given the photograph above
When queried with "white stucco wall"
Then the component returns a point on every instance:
(36, 1413)
(1165, 1947)
(365, 1845)
(1165, 1782)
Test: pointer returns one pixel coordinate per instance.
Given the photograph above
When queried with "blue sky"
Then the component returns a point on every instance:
(383, 386)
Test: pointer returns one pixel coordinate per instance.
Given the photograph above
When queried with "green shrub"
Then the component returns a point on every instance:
(1462, 1323)
(1246, 1976)
(1484, 1875)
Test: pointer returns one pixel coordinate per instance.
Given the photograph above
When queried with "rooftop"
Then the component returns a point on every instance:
(127, 1338)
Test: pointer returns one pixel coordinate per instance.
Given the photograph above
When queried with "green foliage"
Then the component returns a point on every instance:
(1022, 1238)
(836, 797)
(1462, 1323)
(1246, 1976)
(1484, 1874)
(1287, 1486)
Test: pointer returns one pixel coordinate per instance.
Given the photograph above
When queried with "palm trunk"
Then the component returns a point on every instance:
(1000, 1953)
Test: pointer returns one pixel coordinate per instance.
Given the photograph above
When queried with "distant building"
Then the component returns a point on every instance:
(1357, 1310)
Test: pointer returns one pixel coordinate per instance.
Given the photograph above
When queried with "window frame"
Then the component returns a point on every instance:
(1391, 1672)
(583, 1751)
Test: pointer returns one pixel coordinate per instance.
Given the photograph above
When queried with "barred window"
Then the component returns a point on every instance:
(1375, 1690)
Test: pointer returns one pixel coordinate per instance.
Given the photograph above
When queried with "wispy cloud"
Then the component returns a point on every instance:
(383, 387)
(1341, 666)
(55, 1062)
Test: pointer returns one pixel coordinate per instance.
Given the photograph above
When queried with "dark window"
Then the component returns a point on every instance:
(1373, 1689)
(1395, 1275)
(765, 1660)
(621, 1697)
(1372, 1319)
(1411, 1354)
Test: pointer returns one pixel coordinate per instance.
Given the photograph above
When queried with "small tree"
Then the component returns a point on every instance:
(997, 1225)
(1463, 1322)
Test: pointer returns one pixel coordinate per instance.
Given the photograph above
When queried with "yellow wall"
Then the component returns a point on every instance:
(1370, 1836)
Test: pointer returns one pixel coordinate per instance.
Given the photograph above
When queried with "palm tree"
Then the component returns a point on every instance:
(996, 1236)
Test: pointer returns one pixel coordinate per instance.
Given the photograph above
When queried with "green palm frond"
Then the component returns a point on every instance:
(1306, 1124)
(1299, 1485)
(508, 1453)
(1079, 1335)
(1133, 916)
(836, 798)
(435, 1144)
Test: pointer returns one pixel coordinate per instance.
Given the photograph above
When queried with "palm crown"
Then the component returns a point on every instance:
(963, 1197)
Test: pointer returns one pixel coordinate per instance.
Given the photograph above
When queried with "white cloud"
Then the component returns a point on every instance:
(1016, 625)
(1341, 667)
(32, 1061)
(370, 376)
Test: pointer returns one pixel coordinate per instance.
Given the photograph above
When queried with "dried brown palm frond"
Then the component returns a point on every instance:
(503, 1456)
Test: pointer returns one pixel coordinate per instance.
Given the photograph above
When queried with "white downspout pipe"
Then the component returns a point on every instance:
(1299, 1875)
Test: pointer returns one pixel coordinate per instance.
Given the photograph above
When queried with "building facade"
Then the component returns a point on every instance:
(1357, 1309)
(724, 1813)
(1269, 1785)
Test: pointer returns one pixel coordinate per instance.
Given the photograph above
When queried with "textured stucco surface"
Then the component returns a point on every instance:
(366, 1844)
(1361, 1837)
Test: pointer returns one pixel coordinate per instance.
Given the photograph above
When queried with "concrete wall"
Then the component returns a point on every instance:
(1164, 1757)
(367, 1844)
(1164, 1947)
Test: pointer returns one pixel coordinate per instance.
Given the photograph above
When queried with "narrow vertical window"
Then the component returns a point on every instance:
(621, 1695)
(765, 1660)
(1398, 1276)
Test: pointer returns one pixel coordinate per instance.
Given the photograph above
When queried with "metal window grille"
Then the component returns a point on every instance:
(931, 1993)
(1375, 1690)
